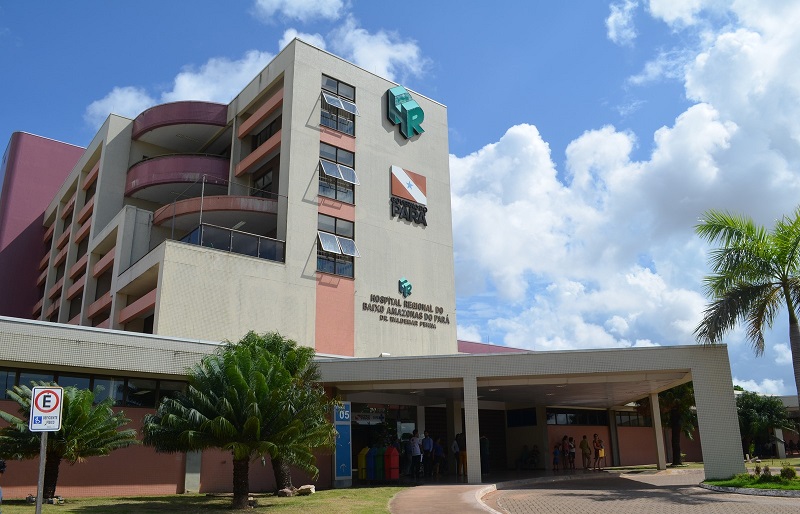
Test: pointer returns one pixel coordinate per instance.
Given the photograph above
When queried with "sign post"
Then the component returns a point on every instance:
(343, 458)
(45, 416)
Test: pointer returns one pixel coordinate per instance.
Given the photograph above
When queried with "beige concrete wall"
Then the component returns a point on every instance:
(216, 295)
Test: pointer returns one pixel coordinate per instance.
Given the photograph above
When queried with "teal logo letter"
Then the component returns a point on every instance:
(405, 111)
(405, 287)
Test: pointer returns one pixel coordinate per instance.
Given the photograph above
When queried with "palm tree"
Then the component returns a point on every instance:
(244, 400)
(755, 273)
(87, 430)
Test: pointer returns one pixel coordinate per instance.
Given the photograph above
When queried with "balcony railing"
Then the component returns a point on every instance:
(234, 241)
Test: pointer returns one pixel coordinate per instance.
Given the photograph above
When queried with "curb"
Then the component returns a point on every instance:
(780, 493)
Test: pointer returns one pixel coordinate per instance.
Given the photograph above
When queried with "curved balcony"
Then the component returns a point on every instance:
(159, 179)
(180, 126)
(252, 214)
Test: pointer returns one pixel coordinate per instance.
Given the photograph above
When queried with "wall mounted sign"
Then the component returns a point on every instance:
(405, 111)
(409, 196)
(405, 312)
(404, 286)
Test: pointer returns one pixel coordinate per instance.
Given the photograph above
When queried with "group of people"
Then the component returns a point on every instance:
(564, 453)
(427, 457)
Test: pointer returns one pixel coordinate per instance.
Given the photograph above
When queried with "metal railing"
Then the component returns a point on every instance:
(235, 241)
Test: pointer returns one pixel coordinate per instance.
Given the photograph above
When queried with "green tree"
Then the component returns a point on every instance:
(758, 415)
(244, 399)
(754, 274)
(87, 430)
(677, 410)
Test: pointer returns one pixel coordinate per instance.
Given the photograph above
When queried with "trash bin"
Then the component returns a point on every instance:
(392, 463)
(362, 463)
(379, 463)
(371, 463)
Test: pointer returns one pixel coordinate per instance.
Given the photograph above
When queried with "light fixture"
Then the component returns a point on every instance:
(493, 389)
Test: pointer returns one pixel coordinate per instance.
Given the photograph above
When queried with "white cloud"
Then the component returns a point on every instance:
(666, 65)
(125, 101)
(766, 386)
(469, 333)
(619, 23)
(783, 354)
(312, 39)
(302, 10)
(677, 12)
(383, 53)
(218, 80)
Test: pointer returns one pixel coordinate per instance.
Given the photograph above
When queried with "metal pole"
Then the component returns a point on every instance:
(42, 460)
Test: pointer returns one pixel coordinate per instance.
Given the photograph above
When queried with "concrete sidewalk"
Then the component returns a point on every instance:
(436, 498)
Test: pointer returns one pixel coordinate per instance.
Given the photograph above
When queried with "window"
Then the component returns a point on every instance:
(109, 387)
(337, 248)
(90, 191)
(27, 378)
(8, 377)
(577, 417)
(521, 418)
(103, 285)
(337, 178)
(262, 184)
(268, 131)
(75, 306)
(140, 392)
(79, 381)
(633, 419)
(339, 110)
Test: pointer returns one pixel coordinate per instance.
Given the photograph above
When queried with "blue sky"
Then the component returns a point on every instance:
(586, 137)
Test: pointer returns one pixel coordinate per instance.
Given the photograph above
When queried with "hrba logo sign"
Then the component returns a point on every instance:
(405, 111)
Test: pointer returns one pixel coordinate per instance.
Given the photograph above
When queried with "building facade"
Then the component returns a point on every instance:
(301, 207)
(316, 204)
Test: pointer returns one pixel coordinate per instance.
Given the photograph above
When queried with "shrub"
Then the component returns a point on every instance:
(766, 473)
(788, 472)
(757, 470)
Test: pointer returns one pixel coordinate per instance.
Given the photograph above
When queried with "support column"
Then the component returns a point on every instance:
(612, 431)
(420, 419)
(658, 431)
(471, 430)
(543, 441)
(779, 445)
(453, 427)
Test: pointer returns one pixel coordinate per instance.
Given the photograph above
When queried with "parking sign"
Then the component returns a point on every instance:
(46, 403)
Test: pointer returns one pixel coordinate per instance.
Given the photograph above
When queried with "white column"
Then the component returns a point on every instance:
(471, 430)
(420, 419)
(778, 444)
(658, 431)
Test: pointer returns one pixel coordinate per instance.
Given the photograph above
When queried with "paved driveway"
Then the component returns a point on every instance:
(662, 493)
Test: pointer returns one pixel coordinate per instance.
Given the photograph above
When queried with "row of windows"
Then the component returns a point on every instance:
(268, 131)
(339, 110)
(337, 176)
(337, 247)
(125, 391)
(577, 417)
(633, 419)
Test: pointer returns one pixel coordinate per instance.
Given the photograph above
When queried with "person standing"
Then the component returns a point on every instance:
(556, 452)
(416, 454)
(462, 454)
(484, 448)
(586, 452)
(571, 453)
(454, 450)
(427, 454)
(597, 445)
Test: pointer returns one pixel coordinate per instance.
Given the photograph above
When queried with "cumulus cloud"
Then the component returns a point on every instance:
(469, 333)
(766, 386)
(302, 10)
(315, 39)
(218, 80)
(602, 253)
(125, 101)
(384, 53)
(783, 354)
(619, 24)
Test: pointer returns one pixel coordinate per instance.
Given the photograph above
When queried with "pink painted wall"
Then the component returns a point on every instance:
(33, 170)
(335, 319)
(637, 446)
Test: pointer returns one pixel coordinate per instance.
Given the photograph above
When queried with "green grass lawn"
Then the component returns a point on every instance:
(335, 501)
(750, 480)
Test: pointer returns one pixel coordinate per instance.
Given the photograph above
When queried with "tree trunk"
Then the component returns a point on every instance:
(675, 422)
(794, 343)
(241, 483)
(283, 475)
(52, 463)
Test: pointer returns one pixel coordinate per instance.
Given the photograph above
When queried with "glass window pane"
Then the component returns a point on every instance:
(330, 169)
(108, 387)
(192, 237)
(328, 119)
(170, 388)
(571, 419)
(348, 247)
(327, 152)
(245, 244)
(218, 238)
(79, 381)
(332, 101)
(345, 193)
(349, 174)
(8, 377)
(344, 228)
(344, 267)
(551, 418)
(347, 91)
(349, 107)
(26, 378)
(561, 419)
(346, 126)
(329, 84)
(141, 393)
(326, 223)
(329, 242)
(326, 263)
(327, 187)
(345, 157)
